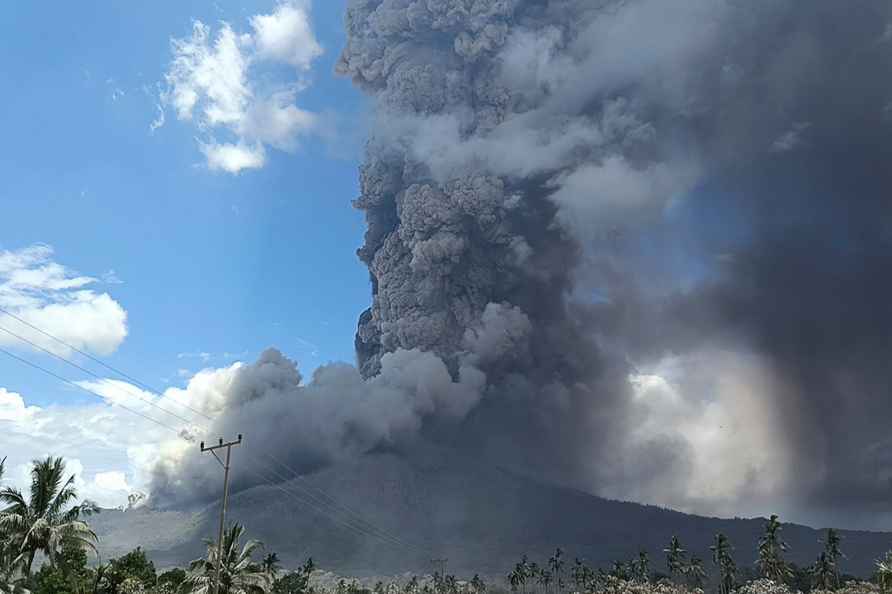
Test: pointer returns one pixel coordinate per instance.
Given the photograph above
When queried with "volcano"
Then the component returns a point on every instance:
(389, 513)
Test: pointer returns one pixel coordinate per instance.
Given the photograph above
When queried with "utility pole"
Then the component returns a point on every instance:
(225, 465)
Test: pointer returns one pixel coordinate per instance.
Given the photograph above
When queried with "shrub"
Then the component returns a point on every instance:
(764, 586)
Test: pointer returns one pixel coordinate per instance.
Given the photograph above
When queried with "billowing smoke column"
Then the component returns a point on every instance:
(467, 255)
(635, 246)
(619, 183)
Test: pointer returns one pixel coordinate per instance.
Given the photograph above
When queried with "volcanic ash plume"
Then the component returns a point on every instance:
(574, 193)
(512, 139)
(615, 243)
(308, 426)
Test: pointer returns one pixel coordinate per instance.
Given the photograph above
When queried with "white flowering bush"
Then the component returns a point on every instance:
(614, 585)
(133, 586)
(852, 588)
(764, 586)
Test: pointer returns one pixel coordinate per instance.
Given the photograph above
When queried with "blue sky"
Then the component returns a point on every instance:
(210, 266)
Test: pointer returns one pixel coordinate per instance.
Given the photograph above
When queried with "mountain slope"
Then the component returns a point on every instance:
(440, 506)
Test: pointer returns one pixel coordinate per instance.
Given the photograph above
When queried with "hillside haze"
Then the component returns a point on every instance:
(442, 505)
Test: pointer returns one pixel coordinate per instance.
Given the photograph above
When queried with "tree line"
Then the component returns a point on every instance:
(556, 577)
(45, 540)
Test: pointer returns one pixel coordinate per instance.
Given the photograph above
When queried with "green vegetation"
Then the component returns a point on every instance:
(50, 527)
(727, 569)
(771, 573)
(46, 521)
(771, 562)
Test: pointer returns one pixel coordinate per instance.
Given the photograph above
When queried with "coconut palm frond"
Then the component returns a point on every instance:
(47, 519)
(240, 572)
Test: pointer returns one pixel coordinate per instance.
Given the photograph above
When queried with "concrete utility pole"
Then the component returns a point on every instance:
(225, 465)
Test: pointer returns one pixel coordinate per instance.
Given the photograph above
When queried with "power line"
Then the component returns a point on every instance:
(330, 500)
(96, 360)
(360, 525)
(343, 523)
(92, 374)
(89, 391)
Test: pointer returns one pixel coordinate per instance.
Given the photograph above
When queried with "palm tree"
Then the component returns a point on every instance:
(556, 565)
(823, 573)
(478, 586)
(771, 563)
(580, 574)
(619, 571)
(521, 572)
(240, 573)
(271, 565)
(527, 570)
(532, 571)
(513, 579)
(8, 552)
(721, 556)
(834, 553)
(884, 573)
(694, 572)
(544, 578)
(641, 567)
(675, 560)
(47, 519)
(10, 582)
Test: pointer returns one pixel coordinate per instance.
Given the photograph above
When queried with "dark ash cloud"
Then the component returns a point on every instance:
(646, 246)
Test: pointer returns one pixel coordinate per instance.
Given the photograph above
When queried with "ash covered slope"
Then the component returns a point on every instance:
(481, 518)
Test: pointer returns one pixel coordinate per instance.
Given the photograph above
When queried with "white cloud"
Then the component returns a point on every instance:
(277, 121)
(207, 390)
(107, 447)
(119, 392)
(286, 35)
(116, 91)
(159, 119)
(12, 407)
(110, 277)
(210, 83)
(204, 356)
(212, 76)
(234, 157)
(52, 297)
(100, 444)
(108, 489)
(112, 481)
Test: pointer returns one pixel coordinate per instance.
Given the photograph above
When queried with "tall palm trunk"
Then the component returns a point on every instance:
(29, 563)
